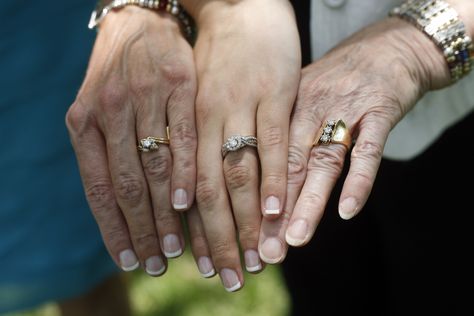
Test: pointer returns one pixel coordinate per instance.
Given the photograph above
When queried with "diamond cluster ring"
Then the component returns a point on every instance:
(237, 142)
(334, 132)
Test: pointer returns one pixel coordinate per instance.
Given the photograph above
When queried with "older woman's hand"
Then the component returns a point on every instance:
(248, 66)
(370, 81)
(141, 79)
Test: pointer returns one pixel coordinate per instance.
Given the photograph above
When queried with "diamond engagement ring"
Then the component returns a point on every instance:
(152, 143)
(237, 142)
(334, 132)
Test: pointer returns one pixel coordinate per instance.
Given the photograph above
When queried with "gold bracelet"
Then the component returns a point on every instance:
(438, 20)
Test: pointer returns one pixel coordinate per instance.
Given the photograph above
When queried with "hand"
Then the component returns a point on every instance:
(248, 65)
(370, 81)
(141, 79)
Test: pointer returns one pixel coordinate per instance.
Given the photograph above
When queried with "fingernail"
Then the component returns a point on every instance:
(172, 246)
(297, 232)
(272, 205)
(180, 199)
(348, 208)
(271, 250)
(252, 261)
(230, 280)
(128, 260)
(205, 267)
(155, 266)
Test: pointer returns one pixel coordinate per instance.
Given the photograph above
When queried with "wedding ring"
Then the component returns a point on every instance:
(334, 132)
(237, 142)
(151, 143)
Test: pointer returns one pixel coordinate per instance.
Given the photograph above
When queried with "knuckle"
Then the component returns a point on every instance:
(297, 164)
(130, 188)
(77, 118)
(116, 237)
(237, 174)
(158, 168)
(206, 194)
(175, 73)
(220, 250)
(111, 97)
(271, 136)
(367, 150)
(183, 136)
(328, 158)
(275, 180)
(142, 86)
(100, 195)
(248, 234)
(199, 243)
(145, 241)
(312, 200)
(166, 218)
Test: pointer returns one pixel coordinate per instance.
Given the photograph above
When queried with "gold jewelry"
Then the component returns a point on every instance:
(151, 143)
(438, 20)
(334, 132)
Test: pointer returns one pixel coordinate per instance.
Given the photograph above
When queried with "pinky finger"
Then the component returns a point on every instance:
(199, 246)
(365, 161)
(92, 160)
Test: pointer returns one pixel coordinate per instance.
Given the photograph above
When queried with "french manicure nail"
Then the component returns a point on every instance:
(271, 250)
(128, 260)
(172, 246)
(155, 266)
(252, 261)
(348, 208)
(272, 205)
(297, 232)
(180, 199)
(230, 280)
(205, 267)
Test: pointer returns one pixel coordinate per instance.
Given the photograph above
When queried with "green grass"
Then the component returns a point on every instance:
(183, 292)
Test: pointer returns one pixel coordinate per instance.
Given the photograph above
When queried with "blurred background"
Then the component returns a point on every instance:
(183, 292)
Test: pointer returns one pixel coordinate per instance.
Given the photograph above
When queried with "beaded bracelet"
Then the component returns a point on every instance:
(170, 6)
(438, 20)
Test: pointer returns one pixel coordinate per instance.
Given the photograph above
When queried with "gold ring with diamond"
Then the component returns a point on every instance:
(151, 143)
(334, 132)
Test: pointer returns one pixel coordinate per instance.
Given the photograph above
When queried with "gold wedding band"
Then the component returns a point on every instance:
(152, 143)
(334, 132)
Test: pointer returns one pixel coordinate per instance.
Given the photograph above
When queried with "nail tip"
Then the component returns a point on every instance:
(254, 269)
(131, 268)
(272, 212)
(156, 273)
(180, 207)
(208, 275)
(346, 216)
(270, 260)
(234, 288)
(175, 254)
(294, 242)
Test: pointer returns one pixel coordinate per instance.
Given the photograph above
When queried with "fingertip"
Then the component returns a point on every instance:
(348, 208)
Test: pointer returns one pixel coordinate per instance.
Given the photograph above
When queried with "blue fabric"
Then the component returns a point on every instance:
(50, 246)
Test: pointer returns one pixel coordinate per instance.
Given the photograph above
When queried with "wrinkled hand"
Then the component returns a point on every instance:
(141, 79)
(248, 66)
(370, 81)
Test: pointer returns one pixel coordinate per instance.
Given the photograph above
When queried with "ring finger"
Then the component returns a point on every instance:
(157, 165)
(241, 172)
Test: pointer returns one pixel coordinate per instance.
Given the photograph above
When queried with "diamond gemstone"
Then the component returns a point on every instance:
(325, 138)
(147, 143)
(328, 130)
